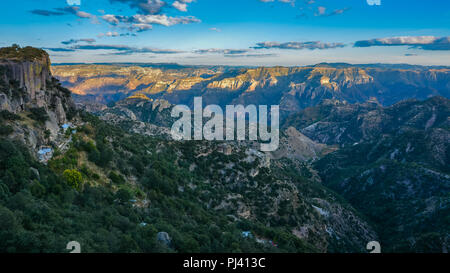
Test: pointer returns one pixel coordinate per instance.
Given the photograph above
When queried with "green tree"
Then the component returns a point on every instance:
(116, 178)
(6, 130)
(73, 179)
(39, 114)
(37, 189)
(7, 219)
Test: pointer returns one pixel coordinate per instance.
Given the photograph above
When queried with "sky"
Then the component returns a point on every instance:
(232, 32)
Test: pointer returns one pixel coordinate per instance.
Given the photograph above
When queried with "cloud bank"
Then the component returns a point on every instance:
(75, 41)
(64, 11)
(126, 50)
(152, 7)
(420, 42)
(298, 45)
(144, 6)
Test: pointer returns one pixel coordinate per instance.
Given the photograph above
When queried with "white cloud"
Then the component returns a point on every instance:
(422, 42)
(75, 41)
(298, 45)
(108, 34)
(164, 19)
(221, 51)
(180, 6)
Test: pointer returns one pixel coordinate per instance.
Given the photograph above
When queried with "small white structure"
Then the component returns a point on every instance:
(45, 153)
(67, 126)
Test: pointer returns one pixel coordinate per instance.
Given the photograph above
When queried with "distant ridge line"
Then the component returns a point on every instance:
(333, 65)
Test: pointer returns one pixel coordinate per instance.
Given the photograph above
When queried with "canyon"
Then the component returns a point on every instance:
(293, 88)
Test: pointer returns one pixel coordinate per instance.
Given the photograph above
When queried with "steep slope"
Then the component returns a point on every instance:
(105, 83)
(118, 191)
(416, 131)
(246, 177)
(37, 101)
(146, 116)
(392, 165)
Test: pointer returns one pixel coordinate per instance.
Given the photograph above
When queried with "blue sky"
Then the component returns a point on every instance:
(232, 32)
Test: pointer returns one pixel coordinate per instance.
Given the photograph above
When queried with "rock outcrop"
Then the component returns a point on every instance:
(295, 145)
(29, 75)
(27, 86)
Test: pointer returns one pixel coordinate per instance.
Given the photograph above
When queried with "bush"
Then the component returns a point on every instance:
(39, 114)
(101, 156)
(89, 173)
(116, 178)
(88, 146)
(37, 189)
(7, 219)
(25, 54)
(6, 130)
(6, 115)
(124, 195)
(73, 179)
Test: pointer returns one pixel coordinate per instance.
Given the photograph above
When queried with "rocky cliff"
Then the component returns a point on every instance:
(27, 89)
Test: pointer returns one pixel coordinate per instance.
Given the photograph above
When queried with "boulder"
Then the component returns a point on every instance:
(164, 238)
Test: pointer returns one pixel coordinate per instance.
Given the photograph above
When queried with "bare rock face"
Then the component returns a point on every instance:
(295, 145)
(161, 105)
(26, 83)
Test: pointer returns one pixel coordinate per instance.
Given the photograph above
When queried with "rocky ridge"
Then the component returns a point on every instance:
(391, 165)
(27, 86)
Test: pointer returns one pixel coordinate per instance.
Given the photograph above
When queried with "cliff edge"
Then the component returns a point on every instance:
(29, 92)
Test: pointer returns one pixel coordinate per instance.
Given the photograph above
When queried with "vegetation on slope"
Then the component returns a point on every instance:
(15, 52)
(393, 166)
(41, 209)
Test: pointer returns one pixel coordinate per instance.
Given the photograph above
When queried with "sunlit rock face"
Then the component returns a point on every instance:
(30, 75)
(293, 88)
(28, 84)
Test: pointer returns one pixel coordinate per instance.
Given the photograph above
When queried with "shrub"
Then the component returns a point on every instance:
(6, 130)
(116, 178)
(6, 115)
(37, 189)
(88, 146)
(47, 134)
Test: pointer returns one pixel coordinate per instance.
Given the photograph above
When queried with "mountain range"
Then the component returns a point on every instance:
(293, 88)
(364, 153)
